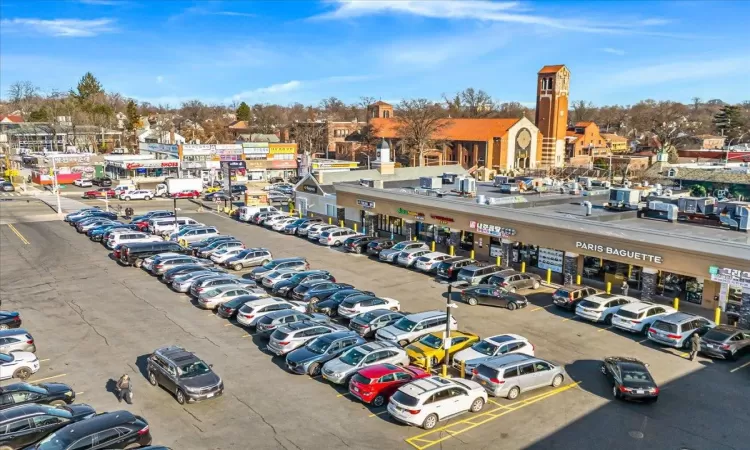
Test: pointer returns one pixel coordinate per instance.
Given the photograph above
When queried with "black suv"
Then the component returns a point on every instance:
(570, 295)
(358, 244)
(102, 181)
(286, 287)
(134, 254)
(113, 430)
(448, 269)
(54, 394)
(26, 424)
(378, 245)
(184, 374)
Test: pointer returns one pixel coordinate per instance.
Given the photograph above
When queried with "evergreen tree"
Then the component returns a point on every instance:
(729, 121)
(243, 112)
(131, 111)
(88, 87)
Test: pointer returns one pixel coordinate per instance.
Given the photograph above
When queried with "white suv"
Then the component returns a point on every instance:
(427, 401)
(410, 328)
(141, 194)
(502, 344)
(602, 307)
(250, 312)
(638, 316)
(336, 237)
(130, 237)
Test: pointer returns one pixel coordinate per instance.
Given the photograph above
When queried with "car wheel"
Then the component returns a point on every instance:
(557, 381)
(180, 397)
(430, 422)
(127, 199)
(536, 285)
(511, 306)
(644, 329)
(608, 319)
(237, 267)
(152, 378)
(314, 369)
(513, 393)
(477, 405)
(3, 327)
(22, 373)
(472, 301)
(615, 392)
(265, 261)
(138, 263)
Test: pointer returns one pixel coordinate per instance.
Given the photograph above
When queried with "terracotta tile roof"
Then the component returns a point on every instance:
(380, 103)
(454, 130)
(552, 69)
(239, 125)
(571, 133)
(614, 137)
(11, 118)
(583, 124)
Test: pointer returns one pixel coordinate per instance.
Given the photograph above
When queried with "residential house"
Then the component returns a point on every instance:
(616, 143)
(239, 127)
(332, 140)
(709, 142)
(11, 118)
(583, 142)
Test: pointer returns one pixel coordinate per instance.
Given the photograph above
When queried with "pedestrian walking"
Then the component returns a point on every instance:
(124, 390)
(625, 287)
(695, 345)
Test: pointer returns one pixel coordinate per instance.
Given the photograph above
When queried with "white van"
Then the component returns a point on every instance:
(247, 212)
(129, 237)
(166, 225)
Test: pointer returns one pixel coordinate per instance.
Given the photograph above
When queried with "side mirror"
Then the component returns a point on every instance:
(210, 365)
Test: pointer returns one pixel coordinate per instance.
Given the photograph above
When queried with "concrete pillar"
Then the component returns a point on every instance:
(370, 224)
(570, 267)
(648, 283)
(410, 229)
(745, 309)
(507, 252)
(455, 238)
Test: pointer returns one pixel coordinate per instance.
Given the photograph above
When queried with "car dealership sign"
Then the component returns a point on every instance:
(630, 254)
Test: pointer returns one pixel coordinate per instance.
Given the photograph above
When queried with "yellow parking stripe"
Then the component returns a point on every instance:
(18, 233)
(740, 367)
(541, 308)
(462, 426)
(50, 378)
(602, 329)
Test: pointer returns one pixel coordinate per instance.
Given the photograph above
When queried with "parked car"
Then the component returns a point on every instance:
(301, 290)
(229, 309)
(314, 232)
(270, 221)
(16, 340)
(7, 186)
(293, 336)
(676, 329)
(196, 247)
(276, 276)
(426, 401)
(169, 263)
(390, 254)
(183, 283)
(186, 194)
(429, 262)
(187, 269)
(475, 274)
(25, 425)
(297, 264)
(55, 394)
(188, 235)
(334, 238)
(376, 384)
(20, 365)
(602, 307)
(303, 228)
(254, 310)
(213, 298)
(726, 342)
(330, 305)
(129, 237)
(285, 287)
(102, 181)
(570, 295)
(267, 324)
(10, 319)
(515, 281)
(358, 244)
(151, 261)
(340, 370)
(260, 218)
(510, 375)
(97, 234)
(359, 304)
(309, 359)
(429, 351)
(221, 256)
(250, 257)
(320, 290)
(80, 213)
(135, 254)
(279, 225)
(102, 214)
(209, 250)
(100, 193)
(86, 225)
(408, 258)
(378, 245)
(183, 374)
(630, 379)
(487, 294)
(412, 327)
(637, 317)
(207, 284)
(247, 212)
(501, 344)
(82, 183)
(139, 194)
(367, 324)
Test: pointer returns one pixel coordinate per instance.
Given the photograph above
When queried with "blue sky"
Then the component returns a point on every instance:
(223, 51)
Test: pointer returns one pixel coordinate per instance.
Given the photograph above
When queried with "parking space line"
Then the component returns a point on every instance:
(18, 233)
(343, 394)
(247, 335)
(378, 413)
(541, 307)
(740, 367)
(49, 378)
(602, 329)
(228, 324)
(80, 393)
(478, 420)
(44, 360)
(641, 342)
(569, 318)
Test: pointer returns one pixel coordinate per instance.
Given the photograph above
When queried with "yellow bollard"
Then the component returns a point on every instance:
(523, 267)
(717, 316)
(445, 370)
(300, 214)
(549, 276)
(497, 261)
(432, 247)
(578, 280)
(472, 254)
(330, 221)
(609, 287)
(341, 223)
(427, 364)
(463, 369)
(355, 227)
(676, 304)
(452, 251)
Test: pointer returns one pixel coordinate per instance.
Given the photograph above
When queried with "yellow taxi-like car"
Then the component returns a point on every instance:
(211, 190)
(429, 348)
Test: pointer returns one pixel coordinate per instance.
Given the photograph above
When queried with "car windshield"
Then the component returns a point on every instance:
(243, 253)
(717, 335)
(353, 357)
(485, 348)
(588, 304)
(664, 326)
(193, 369)
(212, 292)
(271, 265)
(562, 293)
(235, 302)
(318, 346)
(405, 399)
(399, 246)
(431, 341)
(405, 324)
(367, 317)
(52, 442)
(635, 376)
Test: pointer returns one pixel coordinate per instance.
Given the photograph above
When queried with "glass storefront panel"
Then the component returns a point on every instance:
(390, 224)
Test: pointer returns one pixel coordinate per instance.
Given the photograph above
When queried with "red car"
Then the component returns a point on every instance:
(100, 193)
(376, 384)
(186, 194)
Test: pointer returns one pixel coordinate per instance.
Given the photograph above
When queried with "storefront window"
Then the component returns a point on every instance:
(467, 241)
(390, 224)
(678, 286)
(525, 253)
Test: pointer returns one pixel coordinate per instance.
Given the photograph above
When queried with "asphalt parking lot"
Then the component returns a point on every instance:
(94, 320)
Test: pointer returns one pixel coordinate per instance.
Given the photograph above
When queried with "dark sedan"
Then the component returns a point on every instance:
(10, 319)
(286, 287)
(300, 292)
(185, 269)
(54, 394)
(358, 244)
(330, 306)
(630, 379)
(228, 310)
(44, 419)
(487, 294)
(322, 291)
(294, 226)
(378, 245)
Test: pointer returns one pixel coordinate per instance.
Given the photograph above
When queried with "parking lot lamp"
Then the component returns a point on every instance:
(447, 338)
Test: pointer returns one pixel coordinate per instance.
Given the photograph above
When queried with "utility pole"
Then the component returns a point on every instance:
(447, 339)
(56, 184)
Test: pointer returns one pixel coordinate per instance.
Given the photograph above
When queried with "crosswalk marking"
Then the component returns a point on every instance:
(10, 194)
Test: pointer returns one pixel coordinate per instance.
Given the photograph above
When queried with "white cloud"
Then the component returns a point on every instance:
(159, 78)
(60, 27)
(653, 22)
(102, 2)
(614, 51)
(232, 14)
(264, 91)
(207, 9)
(694, 69)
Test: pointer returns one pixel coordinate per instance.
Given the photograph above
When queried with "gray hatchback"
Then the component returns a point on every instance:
(367, 323)
(310, 358)
(16, 340)
(725, 342)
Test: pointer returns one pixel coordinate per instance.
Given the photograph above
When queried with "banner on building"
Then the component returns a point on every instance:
(550, 259)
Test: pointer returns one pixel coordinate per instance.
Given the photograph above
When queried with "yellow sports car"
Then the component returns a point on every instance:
(212, 190)
(429, 348)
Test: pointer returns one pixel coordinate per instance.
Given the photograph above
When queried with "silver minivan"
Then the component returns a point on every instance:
(195, 234)
(16, 340)
(479, 274)
(509, 375)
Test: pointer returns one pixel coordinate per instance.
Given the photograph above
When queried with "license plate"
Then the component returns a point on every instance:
(639, 391)
(209, 395)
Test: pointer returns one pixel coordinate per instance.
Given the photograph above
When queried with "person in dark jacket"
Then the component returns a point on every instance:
(695, 345)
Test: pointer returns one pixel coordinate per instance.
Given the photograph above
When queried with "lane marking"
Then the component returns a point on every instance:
(480, 419)
(44, 360)
(602, 329)
(541, 308)
(18, 233)
(343, 394)
(641, 342)
(378, 413)
(740, 367)
(228, 324)
(569, 318)
(50, 378)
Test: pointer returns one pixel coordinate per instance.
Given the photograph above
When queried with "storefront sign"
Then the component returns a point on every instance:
(197, 149)
(441, 219)
(492, 230)
(193, 164)
(310, 189)
(233, 164)
(256, 152)
(415, 215)
(365, 203)
(151, 165)
(283, 164)
(496, 250)
(164, 148)
(69, 159)
(732, 277)
(550, 259)
(233, 148)
(279, 149)
(335, 165)
(619, 252)
(256, 164)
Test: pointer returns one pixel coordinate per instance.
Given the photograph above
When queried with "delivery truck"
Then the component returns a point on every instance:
(172, 185)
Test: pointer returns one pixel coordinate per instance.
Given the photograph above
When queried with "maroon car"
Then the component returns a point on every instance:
(100, 193)
(186, 194)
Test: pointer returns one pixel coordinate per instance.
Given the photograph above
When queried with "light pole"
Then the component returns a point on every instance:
(56, 185)
(447, 339)
(368, 160)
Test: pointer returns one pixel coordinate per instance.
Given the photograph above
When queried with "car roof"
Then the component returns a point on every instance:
(433, 255)
(503, 338)
(624, 360)
(679, 317)
(13, 332)
(380, 312)
(574, 287)
(603, 297)
(480, 266)
(301, 325)
(505, 360)
(76, 430)
(356, 298)
(415, 250)
(377, 345)
(637, 306)
(176, 354)
(421, 386)
(16, 412)
(378, 370)
(294, 258)
(283, 313)
(456, 259)
(425, 315)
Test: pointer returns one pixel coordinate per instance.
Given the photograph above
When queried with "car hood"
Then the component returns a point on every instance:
(283, 283)
(389, 332)
(420, 350)
(327, 304)
(56, 388)
(81, 411)
(471, 357)
(303, 355)
(389, 252)
(259, 270)
(205, 380)
(24, 356)
(338, 366)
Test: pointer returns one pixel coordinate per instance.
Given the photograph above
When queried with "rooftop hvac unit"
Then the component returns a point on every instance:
(481, 199)
(430, 182)
(449, 178)
(468, 186)
(366, 182)
(696, 205)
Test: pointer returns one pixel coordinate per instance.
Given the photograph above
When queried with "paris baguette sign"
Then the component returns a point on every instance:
(619, 252)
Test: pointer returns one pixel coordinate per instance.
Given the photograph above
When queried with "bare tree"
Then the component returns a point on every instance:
(470, 103)
(582, 111)
(666, 121)
(265, 118)
(334, 109)
(309, 136)
(418, 123)
(513, 110)
(363, 104)
(21, 94)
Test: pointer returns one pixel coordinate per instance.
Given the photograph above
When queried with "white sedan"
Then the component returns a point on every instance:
(82, 183)
(359, 304)
(141, 194)
(224, 254)
(19, 365)
(215, 297)
(278, 226)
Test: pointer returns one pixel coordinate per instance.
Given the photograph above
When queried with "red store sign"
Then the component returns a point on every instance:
(442, 219)
(165, 164)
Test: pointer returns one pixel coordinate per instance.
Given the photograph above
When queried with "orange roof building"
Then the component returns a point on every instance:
(553, 83)
(10, 118)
